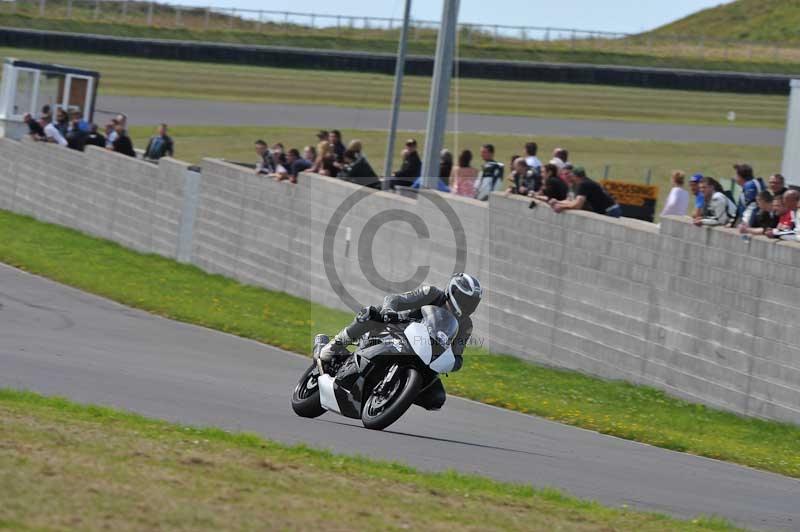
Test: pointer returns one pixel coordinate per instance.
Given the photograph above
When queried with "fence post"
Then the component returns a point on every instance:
(496, 30)
(207, 18)
(41, 7)
(124, 8)
(572, 40)
(649, 176)
(69, 8)
(96, 8)
(260, 20)
(313, 21)
(606, 171)
(150, 14)
(338, 24)
(230, 19)
(547, 34)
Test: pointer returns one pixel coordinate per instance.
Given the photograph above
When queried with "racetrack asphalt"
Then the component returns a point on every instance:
(151, 111)
(57, 340)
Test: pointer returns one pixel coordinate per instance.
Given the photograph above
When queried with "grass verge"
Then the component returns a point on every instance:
(68, 466)
(122, 76)
(186, 293)
(628, 160)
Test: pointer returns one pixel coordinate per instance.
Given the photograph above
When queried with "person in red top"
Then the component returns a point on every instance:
(787, 220)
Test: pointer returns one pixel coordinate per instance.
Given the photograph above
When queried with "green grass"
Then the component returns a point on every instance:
(745, 20)
(628, 160)
(185, 293)
(122, 76)
(70, 466)
(660, 48)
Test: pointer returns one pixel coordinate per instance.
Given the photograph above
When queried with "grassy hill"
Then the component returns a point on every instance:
(762, 21)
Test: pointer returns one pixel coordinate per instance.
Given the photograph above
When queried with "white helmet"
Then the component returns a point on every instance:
(464, 293)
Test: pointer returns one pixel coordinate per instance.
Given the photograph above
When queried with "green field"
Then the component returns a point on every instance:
(694, 46)
(627, 160)
(186, 293)
(122, 76)
(65, 466)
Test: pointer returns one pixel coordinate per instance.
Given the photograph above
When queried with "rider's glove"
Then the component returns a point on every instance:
(369, 314)
(390, 316)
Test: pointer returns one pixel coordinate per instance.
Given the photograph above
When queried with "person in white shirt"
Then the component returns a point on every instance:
(717, 209)
(530, 157)
(678, 199)
(52, 133)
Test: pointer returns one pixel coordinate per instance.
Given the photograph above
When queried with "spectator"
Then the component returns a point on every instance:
(445, 166)
(699, 200)
(565, 174)
(678, 199)
(525, 180)
(279, 154)
(589, 196)
(491, 173)
(46, 111)
(51, 132)
(560, 156)
(294, 165)
(111, 133)
(357, 170)
(95, 138)
(160, 145)
(325, 164)
(76, 134)
(765, 217)
(35, 129)
(323, 135)
(310, 154)
(411, 167)
(751, 186)
(78, 121)
(265, 164)
(553, 186)
(335, 138)
(787, 223)
(718, 209)
(62, 122)
(356, 145)
(530, 156)
(123, 143)
(462, 177)
(777, 184)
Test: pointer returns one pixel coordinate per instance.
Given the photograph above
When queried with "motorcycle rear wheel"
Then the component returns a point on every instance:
(305, 397)
(379, 412)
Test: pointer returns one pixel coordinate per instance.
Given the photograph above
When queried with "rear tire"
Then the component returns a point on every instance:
(305, 397)
(378, 418)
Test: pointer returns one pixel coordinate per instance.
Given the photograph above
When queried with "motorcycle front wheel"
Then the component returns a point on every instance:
(305, 397)
(381, 409)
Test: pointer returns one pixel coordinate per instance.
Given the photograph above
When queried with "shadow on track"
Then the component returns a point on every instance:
(443, 440)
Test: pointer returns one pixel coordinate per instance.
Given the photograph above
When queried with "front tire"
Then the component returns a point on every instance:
(380, 411)
(305, 397)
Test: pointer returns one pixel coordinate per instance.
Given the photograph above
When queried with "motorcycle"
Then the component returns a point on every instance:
(385, 375)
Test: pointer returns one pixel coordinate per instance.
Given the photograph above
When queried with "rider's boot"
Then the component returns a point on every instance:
(336, 347)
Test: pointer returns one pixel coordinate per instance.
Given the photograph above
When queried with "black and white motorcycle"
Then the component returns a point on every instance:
(386, 373)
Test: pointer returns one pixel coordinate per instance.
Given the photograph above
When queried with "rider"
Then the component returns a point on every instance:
(461, 297)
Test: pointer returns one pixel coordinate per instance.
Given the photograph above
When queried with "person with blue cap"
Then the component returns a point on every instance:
(699, 200)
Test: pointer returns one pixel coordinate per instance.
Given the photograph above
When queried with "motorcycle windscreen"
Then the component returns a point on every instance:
(441, 324)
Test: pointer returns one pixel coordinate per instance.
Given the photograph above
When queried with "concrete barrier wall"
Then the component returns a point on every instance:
(696, 312)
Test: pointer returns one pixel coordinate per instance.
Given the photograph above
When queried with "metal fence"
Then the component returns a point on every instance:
(210, 18)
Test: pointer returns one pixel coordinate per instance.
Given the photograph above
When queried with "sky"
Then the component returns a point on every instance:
(628, 16)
